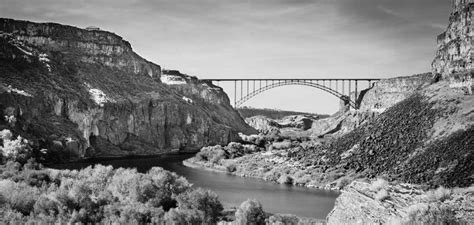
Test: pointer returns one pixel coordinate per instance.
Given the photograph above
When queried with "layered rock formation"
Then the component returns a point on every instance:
(455, 52)
(88, 94)
(389, 92)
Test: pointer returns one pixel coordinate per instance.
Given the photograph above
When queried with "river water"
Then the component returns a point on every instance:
(233, 190)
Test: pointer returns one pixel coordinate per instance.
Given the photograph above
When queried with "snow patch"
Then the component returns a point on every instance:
(23, 50)
(188, 100)
(44, 59)
(18, 91)
(172, 80)
(98, 96)
(189, 120)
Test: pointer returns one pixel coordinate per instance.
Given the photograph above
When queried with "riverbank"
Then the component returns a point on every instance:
(277, 166)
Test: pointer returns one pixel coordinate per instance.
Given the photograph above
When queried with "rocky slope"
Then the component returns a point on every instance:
(384, 203)
(87, 94)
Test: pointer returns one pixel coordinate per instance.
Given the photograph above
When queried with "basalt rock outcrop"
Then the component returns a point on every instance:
(455, 52)
(454, 58)
(388, 92)
(87, 94)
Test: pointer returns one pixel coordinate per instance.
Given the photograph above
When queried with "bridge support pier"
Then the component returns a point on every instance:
(344, 104)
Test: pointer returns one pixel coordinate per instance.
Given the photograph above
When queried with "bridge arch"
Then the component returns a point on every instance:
(335, 87)
(309, 83)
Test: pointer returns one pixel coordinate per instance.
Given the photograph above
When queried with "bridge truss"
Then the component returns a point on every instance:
(345, 89)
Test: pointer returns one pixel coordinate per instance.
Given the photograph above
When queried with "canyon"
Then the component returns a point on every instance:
(407, 152)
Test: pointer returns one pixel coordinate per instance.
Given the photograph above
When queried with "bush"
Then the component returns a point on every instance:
(231, 167)
(381, 195)
(272, 175)
(212, 154)
(303, 180)
(19, 197)
(283, 219)
(439, 195)
(378, 184)
(250, 212)
(6, 134)
(133, 213)
(179, 216)
(285, 179)
(46, 206)
(201, 200)
(16, 150)
(423, 213)
(341, 183)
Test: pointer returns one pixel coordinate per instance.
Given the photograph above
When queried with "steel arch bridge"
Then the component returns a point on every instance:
(344, 89)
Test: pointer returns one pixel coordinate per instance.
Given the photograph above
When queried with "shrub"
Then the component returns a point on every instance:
(212, 154)
(133, 213)
(272, 175)
(285, 179)
(36, 178)
(381, 195)
(10, 169)
(217, 156)
(165, 185)
(46, 206)
(231, 167)
(439, 195)
(19, 197)
(341, 183)
(179, 216)
(234, 150)
(303, 180)
(423, 213)
(283, 219)
(378, 184)
(250, 212)
(201, 200)
(15, 150)
(6, 134)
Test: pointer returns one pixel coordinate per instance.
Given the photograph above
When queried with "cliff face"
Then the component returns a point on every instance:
(455, 51)
(389, 92)
(86, 94)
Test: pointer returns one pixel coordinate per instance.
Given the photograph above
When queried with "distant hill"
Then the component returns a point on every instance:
(275, 114)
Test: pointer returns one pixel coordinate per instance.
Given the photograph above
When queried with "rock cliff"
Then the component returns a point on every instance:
(455, 51)
(389, 92)
(86, 94)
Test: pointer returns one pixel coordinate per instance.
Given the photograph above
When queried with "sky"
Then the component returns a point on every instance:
(264, 38)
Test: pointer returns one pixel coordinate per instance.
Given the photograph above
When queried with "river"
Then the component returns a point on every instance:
(233, 190)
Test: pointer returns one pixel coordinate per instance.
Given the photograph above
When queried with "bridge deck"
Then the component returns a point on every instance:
(297, 79)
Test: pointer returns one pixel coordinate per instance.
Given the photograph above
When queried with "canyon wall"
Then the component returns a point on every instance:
(388, 92)
(87, 94)
(455, 52)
